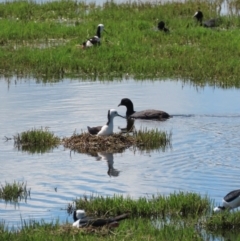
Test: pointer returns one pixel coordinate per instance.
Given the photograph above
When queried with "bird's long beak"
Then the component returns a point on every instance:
(119, 104)
(122, 116)
(105, 30)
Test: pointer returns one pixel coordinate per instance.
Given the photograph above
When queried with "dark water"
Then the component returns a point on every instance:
(204, 157)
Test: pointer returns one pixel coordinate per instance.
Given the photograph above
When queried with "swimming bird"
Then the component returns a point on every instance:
(145, 114)
(95, 40)
(230, 201)
(107, 129)
(209, 23)
(161, 27)
(85, 221)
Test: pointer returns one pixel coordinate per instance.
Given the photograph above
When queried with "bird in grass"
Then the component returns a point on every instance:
(145, 114)
(230, 201)
(81, 220)
(161, 27)
(208, 23)
(95, 40)
(107, 129)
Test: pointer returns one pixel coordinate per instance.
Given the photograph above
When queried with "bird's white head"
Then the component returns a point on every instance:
(80, 214)
(112, 113)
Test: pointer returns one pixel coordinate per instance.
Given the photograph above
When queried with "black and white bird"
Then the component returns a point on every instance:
(230, 201)
(208, 23)
(95, 40)
(161, 27)
(145, 114)
(107, 129)
(81, 220)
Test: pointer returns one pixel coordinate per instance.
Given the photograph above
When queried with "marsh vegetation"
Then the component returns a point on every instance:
(14, 192)
(132, 46)
(36, 140)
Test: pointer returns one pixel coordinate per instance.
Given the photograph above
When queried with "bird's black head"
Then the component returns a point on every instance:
(126, 102)
(129, 105)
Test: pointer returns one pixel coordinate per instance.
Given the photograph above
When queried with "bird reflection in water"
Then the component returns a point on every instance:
(108, 157)
(129, 127)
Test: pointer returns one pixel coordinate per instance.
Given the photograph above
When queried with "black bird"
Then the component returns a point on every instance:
(230, 201)
(84, 221)
(145, 114)
(209, 23)
(95, 40)
(161, 27)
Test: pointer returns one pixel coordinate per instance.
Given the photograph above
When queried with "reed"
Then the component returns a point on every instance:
(132, 45)
(14, 192)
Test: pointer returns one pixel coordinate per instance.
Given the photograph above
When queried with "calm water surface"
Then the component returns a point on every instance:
(204, 157)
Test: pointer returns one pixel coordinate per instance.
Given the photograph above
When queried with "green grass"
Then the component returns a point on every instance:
(131, 46)
(177, 204)
(153, 139)
(36, 140)
(14, 192)
(179, 216)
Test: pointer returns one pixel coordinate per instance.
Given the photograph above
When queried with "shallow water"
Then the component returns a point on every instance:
(204, 157)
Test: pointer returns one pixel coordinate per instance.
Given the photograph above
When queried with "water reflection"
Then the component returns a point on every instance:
(129, 126)
(108, 157)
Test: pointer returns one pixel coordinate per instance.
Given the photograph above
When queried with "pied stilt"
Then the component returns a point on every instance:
(95, 40)
(145, 114)
(230, 201)
(161, 27)
(97, 222)
(107, 129)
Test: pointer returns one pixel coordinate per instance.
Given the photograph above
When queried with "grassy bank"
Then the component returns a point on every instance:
(132, 45)
(179, 216)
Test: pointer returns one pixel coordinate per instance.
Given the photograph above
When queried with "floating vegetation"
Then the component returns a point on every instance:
(36, 140)
(143, 140)
(177, 204)
(14, 192)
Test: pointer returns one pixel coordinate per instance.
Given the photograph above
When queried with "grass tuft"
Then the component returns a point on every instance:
(36, 140)
(14, 192)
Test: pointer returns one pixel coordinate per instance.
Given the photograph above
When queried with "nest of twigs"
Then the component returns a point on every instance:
(87, 143)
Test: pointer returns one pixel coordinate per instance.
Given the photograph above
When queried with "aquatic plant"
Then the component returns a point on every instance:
(14, 192)
(152, 139)
(36, 140)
